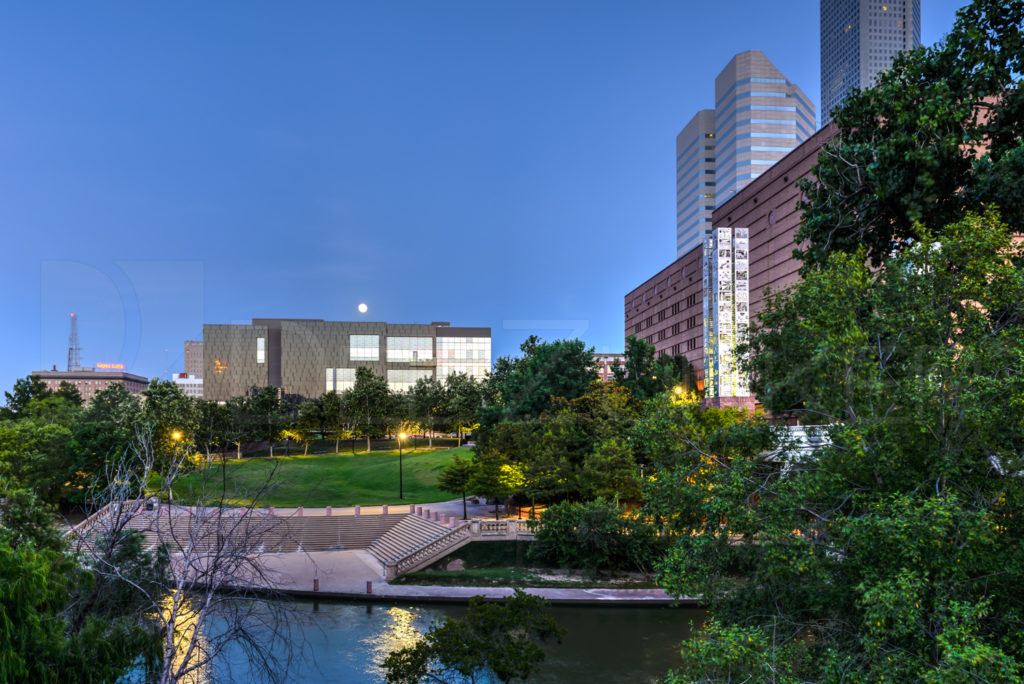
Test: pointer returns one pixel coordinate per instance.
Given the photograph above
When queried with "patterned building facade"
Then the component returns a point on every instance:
(308, 357)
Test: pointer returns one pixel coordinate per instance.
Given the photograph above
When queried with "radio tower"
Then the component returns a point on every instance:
(74, 351)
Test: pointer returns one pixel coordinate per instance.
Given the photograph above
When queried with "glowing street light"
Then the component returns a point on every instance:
(176, 435)
(401, 436)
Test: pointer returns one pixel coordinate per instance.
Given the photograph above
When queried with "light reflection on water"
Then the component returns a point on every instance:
(346, 642)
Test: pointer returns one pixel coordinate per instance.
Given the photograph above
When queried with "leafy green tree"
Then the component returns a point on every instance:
(267, 414)
(428, 400)
(68, 391)
(595, 535)
(493, 477)
(104, 432)
(455, 478)
(25, 390)
(368, 402)
(505, 641)
(172, 416)
(523, 387)
(36, 456)
(24, 519)
(241, 427)
(610, 472)
(647, 375)
(938, 136)
(56, 409)
(462, 401)
(336, 418)
(213, 426)
(896, 550)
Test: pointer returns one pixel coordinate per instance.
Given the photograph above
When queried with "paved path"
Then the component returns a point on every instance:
(453, 507)
(344, 574)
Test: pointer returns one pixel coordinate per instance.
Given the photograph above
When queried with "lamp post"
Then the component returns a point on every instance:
(401, 436)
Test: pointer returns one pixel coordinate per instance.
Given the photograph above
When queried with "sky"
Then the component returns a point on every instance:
(502, 164)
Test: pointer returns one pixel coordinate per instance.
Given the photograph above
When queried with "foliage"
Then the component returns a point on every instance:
(25, 390)
(36, 456)
(455, 478)
(462, 401)
(646, 375)
(171, 415)
(895, 551)
(24, 519)
(940, 135)
(523, 387)
(427, 400)
(595, 535)
(368, 402)
(729, 653)
(505, 640)
(266, 414)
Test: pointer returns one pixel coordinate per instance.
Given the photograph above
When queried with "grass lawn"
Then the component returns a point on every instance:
(344, 479)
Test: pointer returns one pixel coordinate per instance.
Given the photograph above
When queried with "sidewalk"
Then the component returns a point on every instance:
(450, 508)
(345, 574)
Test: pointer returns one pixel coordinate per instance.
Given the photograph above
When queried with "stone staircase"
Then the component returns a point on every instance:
(409, 534)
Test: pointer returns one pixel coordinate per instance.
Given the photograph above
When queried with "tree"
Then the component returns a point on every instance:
(596, 535)
(267, 414)
(455, 479)
(103, 432)
(505, 640)
(25, 390)
(369, 400)
(69, 392)
(523, 386)
(462, 401)
(938, 136)
(213, 426)
(646, 375)
(427, 401)
(335, 417)
(172, 416)
(494, 477)
(38, 457)
(896, 550)
(208, 568)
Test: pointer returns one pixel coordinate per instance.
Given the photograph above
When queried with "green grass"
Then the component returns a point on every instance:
(344, 479)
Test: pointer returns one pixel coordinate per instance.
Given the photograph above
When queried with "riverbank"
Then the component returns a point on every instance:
(355, 574)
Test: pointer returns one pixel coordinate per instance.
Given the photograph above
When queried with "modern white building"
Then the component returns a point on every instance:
(190, 385)
(726, 310)
(759, 117)
(859, 39)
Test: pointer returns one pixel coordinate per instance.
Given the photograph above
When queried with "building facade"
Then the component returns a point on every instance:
(194, 358)
(695, 180)
(668, 308)
(89, 381)
(759, 117)
(606, 365)
(190, 385)
(726, 311)
(859, 39)
(307, 357)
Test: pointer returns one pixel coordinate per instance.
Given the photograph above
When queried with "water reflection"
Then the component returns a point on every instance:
(346, 642)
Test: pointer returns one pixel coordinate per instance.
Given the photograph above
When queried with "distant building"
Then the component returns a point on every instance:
(859, 39)
(308, 357)
(759, 117)
(194, 358)
(90, 381)
(667, 309)
(607, 363)
(190, 385)
(726, 312)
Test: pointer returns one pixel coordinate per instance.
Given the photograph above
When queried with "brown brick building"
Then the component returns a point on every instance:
(89, 381)
(667, 309)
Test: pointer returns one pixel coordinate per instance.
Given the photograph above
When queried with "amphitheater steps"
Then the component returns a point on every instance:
(412, 532)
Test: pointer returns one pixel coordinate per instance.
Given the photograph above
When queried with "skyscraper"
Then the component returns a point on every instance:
(695, 180)
(859, 39)
(759, 117)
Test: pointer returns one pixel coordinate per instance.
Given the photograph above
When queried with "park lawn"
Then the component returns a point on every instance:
(345, 479)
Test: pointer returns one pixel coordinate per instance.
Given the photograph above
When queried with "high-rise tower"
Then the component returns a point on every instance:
(759, 117)
(859, 39)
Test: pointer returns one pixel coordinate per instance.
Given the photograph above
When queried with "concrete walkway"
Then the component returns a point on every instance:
(450, 508)
(345, 574)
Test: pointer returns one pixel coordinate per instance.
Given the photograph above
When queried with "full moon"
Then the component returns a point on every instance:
(362, 308)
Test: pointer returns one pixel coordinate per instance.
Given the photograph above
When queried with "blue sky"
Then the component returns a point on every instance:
(507, 164)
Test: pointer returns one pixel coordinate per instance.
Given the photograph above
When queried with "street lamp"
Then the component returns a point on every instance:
(401, 436)
(176, 435)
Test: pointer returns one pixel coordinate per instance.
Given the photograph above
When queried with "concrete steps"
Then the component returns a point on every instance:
(411, 533)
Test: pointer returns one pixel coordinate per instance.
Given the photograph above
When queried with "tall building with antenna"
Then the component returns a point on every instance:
(74, 349)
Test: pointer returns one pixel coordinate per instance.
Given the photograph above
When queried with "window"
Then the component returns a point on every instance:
(471, 355)
(661, 315)
(403, 379)
(691, 300)
(675, 308)
(661, 335)
(410, 349)
(261, 350)
(636, 328)
(364, 347)
(691, 344)
(340, 379)
(675, 328)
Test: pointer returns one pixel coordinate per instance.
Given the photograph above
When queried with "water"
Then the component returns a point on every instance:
(345, 642)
